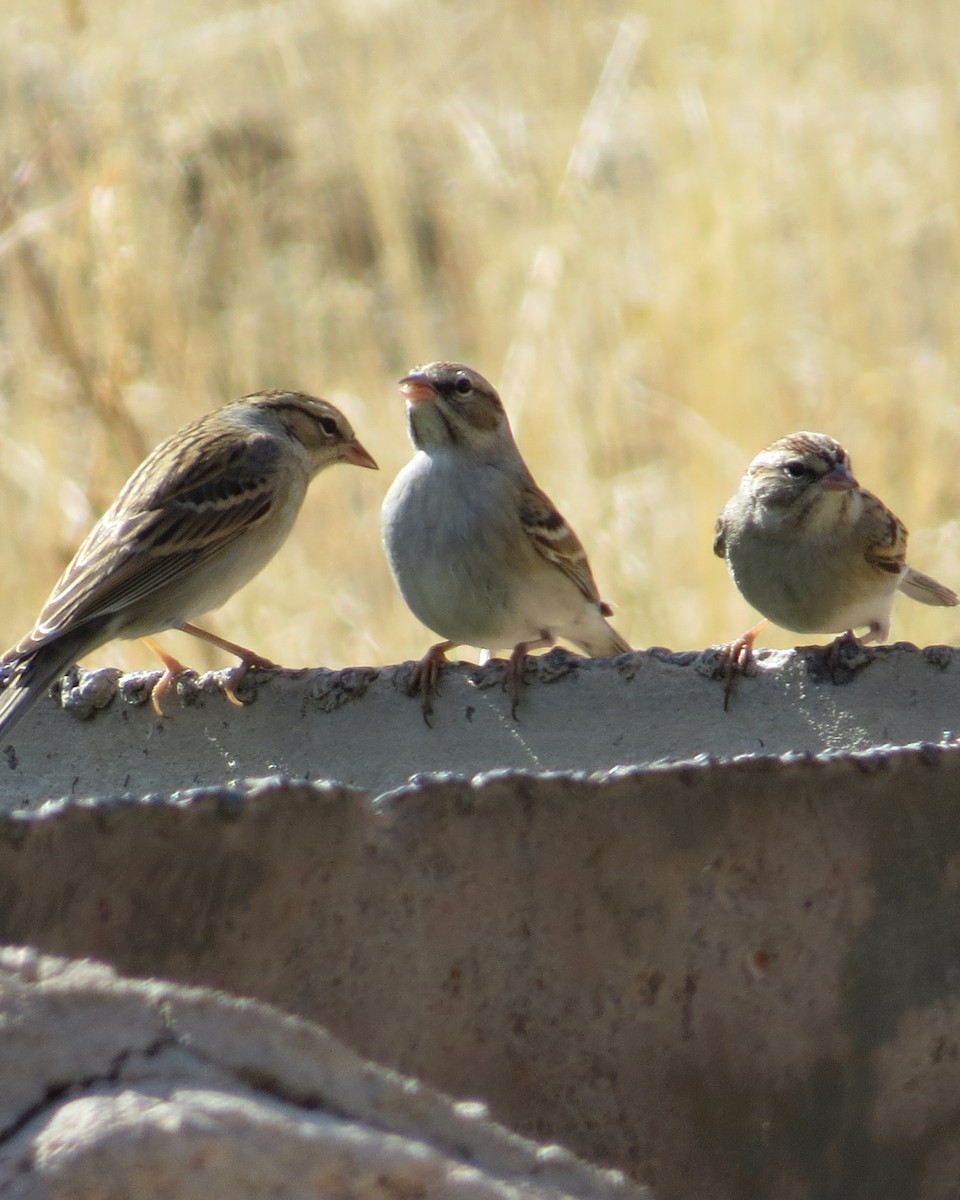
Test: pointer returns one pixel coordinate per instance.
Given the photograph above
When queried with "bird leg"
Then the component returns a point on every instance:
(513, 679)
(736, 658)
(247, 659)
(172, 667)
(425, 677)
(841, 658)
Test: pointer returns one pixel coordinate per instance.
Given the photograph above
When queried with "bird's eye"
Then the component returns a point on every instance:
(329, 426)
(795, 468)
(463, 385)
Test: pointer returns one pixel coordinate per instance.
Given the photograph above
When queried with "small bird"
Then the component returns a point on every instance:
(812, 550)
(479, 552)
(196, 521)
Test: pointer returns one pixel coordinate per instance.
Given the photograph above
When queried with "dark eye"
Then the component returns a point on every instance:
(329, 426)
(796, 468)
(463, 385)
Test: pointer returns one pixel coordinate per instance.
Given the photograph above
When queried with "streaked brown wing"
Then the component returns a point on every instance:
(175, 513)
(886, 546)
(555, 540)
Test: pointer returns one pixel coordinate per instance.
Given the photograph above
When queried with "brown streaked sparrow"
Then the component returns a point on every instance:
(196, 521)
(479, 552)
(812, 550)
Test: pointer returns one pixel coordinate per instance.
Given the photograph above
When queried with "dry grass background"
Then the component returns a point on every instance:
(669, 238)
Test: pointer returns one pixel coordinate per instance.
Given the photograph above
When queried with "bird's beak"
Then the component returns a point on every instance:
(354, 454)
(417, 388)
(838, 480)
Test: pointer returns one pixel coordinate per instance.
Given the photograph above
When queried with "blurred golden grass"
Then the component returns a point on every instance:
(669, 240)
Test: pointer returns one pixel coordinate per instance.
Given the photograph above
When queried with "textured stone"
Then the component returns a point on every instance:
(729, 978)
(143, 1090)
(729, 973)
(359, 727)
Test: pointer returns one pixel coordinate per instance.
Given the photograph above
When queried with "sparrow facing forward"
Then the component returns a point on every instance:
(479, 552)
(197, 520)
(812, 550)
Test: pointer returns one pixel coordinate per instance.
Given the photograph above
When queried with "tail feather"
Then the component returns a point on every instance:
(32, 676)
(926, 589)
(619, 644)
(604, 642)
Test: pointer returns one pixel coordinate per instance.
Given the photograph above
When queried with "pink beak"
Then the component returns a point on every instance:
(355, 454)
(417, 389)
(838, 480)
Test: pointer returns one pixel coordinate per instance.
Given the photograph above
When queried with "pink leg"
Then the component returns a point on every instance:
(247, 659)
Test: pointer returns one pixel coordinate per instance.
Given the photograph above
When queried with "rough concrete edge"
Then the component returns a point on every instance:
(84, 692)
(232, 798)
(315, 1071)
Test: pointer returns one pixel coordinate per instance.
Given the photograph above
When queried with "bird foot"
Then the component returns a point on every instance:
(425, 678)
(236, 675)
(172, 667)
(171, 670)
(845, 655)
(736, 659)
(513, 677)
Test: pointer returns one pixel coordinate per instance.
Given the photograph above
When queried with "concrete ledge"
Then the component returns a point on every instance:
(730, 979)
(358, 727)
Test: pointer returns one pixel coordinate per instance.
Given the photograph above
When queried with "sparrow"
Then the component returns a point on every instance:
(814, 551)
(203, 514)
(479, 552)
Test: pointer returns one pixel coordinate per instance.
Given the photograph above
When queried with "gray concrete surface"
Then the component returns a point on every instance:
(723, 956)
(358, 727)
(137, 1090)
(733, 979)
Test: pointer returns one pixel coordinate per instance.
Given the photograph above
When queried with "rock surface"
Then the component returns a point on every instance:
(730, 979)
(733, 975)
(118, 1088)
(358, 726)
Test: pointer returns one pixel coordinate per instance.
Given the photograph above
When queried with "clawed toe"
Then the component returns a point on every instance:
(839, 656)
(736, 659)
(514, 681)
(160, 689)
(425, 682)
(259, 663)
(513, 678)
(172, 667)
(425, 678)
(238, 674)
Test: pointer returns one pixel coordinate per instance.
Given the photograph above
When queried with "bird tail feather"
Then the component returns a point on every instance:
(619, 644)
(926, 589)
(604, 642)
(32, 675)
